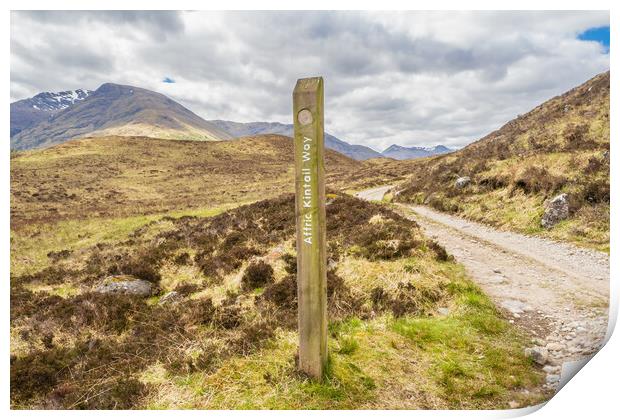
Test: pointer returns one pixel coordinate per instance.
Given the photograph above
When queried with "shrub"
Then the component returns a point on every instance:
(258, 274)
(283, 293)
(440, 252)
(536, 179)
(576, 138)
(290, 263)
(596, 191)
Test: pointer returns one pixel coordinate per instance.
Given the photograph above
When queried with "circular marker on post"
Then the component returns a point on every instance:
(304, 117)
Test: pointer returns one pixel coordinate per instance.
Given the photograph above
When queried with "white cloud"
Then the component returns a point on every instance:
(413, 78)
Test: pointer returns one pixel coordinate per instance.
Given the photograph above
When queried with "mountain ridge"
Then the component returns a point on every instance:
(49, 118)
(398, 152)
(28, 112)
(238, 129)
(115, 109)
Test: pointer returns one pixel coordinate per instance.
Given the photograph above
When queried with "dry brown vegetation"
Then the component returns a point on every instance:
(117, 176)
(74, 348)
(123, 176)
(86, 350)
(560, 146)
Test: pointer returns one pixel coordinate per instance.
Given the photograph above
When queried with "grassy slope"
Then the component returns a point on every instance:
(126, 176)
(557, 147)
(416, 358)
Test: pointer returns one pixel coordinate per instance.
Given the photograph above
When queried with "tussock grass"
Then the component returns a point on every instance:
(230, 340)
(560, 146)
(118, 177)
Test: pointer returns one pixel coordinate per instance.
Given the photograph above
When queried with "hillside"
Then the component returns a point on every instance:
(237, 129)
(121, 176)
(561, 146)
(119, 110)
(214, 323)
(401, 152)
(29, 112)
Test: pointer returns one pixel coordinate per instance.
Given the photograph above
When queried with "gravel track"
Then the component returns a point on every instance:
(558, 293)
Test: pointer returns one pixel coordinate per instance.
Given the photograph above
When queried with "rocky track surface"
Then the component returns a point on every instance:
(557, 292)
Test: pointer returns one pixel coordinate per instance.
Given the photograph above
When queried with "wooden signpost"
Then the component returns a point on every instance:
(310, 217)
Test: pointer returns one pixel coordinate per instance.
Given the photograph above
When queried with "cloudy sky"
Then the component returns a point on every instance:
(412, 78)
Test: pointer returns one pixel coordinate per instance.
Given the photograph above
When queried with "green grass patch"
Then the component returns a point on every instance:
(476, 356)
(30, 245)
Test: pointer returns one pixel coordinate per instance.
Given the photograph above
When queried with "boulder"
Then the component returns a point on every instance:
(125, 285)
(462, 182)
(555, 211)
(538, 354)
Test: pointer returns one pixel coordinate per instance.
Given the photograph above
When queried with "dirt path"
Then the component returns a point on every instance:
(373, 194)
(557, 292)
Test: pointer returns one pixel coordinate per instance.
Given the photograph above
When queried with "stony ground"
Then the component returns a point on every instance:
(557, 292)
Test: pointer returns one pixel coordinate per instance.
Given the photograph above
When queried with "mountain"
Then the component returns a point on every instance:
(28, 112)
(119, 110)
(561, 146)
(53, 118)
(401, 152)
(237, 129)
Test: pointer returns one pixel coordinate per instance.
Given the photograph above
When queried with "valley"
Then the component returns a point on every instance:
(160, 272)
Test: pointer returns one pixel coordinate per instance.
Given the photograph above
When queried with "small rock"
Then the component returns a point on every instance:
(538, 354)
(498, 271)
(498, 280)
(551, 378)
(554, 346)
(551, 369)
(170, 297)
(93, 343)
(513, 404)
(377, 219)
(555, 211)
(125, 285)
(462, 182)
(443, 311)
(515, 306)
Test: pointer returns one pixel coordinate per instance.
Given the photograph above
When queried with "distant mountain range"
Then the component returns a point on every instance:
(401, 152)
(49, 118)
(354, 151)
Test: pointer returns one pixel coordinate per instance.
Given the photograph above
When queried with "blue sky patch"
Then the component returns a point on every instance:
(600, 35)
(168, 80)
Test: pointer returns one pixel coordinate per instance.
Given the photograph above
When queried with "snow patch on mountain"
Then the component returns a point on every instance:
(57, 101)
